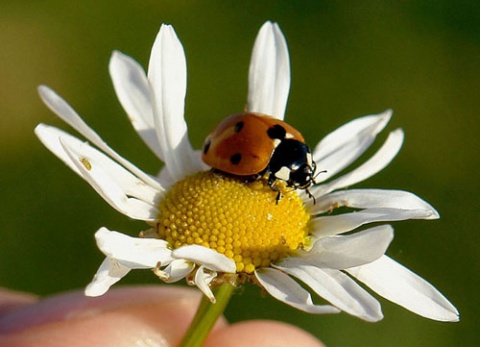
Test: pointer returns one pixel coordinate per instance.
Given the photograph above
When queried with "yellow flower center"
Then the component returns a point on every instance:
(236, 218)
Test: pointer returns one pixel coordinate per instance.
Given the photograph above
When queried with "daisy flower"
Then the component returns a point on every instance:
(214, 230)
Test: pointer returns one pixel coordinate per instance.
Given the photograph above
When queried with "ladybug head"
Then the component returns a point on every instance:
(303, 177)
(292, 162)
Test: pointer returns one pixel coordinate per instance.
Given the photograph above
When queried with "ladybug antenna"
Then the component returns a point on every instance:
(318, 173)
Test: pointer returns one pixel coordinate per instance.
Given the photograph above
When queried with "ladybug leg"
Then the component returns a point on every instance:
(279, 196)
(272, 180)
(311, 196)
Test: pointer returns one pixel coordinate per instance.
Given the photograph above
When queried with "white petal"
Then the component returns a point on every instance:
(375, 164)
(50, 137)
(205, 256)
(110, 190)
(131, 185)
(202, 281)
(373, 198)
(133, 92)
(167, 74)
(66, 113)
(269, 74)
(285, 289)
(341, 252)
(109, 273)
(200, 164)
(341, 223)
(401, 286)
(338, 289)
(345, 144)
(166, 178)
(176, 270)
(133, 252)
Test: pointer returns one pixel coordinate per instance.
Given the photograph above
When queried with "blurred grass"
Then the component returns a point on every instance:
(419, 58)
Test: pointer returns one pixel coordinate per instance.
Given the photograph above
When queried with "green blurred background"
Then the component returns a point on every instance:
(420, 58)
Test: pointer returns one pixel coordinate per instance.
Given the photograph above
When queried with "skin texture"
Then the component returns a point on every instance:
(128, 316)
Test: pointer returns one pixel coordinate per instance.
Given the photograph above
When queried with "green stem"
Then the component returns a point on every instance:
(206, 316)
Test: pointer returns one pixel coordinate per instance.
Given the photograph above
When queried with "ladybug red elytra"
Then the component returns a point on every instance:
(256, 145)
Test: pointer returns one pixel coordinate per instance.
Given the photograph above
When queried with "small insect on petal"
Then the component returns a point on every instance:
(86, 163)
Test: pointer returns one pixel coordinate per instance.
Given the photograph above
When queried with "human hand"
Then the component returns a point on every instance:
(128, 316)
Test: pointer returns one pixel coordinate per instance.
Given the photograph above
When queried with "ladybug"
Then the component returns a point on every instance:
(256, 145)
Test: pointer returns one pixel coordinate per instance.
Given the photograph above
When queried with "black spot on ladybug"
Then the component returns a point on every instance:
(276, 132)
(206, 146)
(238, 127)
(235, 159)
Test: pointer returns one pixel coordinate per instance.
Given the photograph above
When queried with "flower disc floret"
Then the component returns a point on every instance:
(239, 219)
